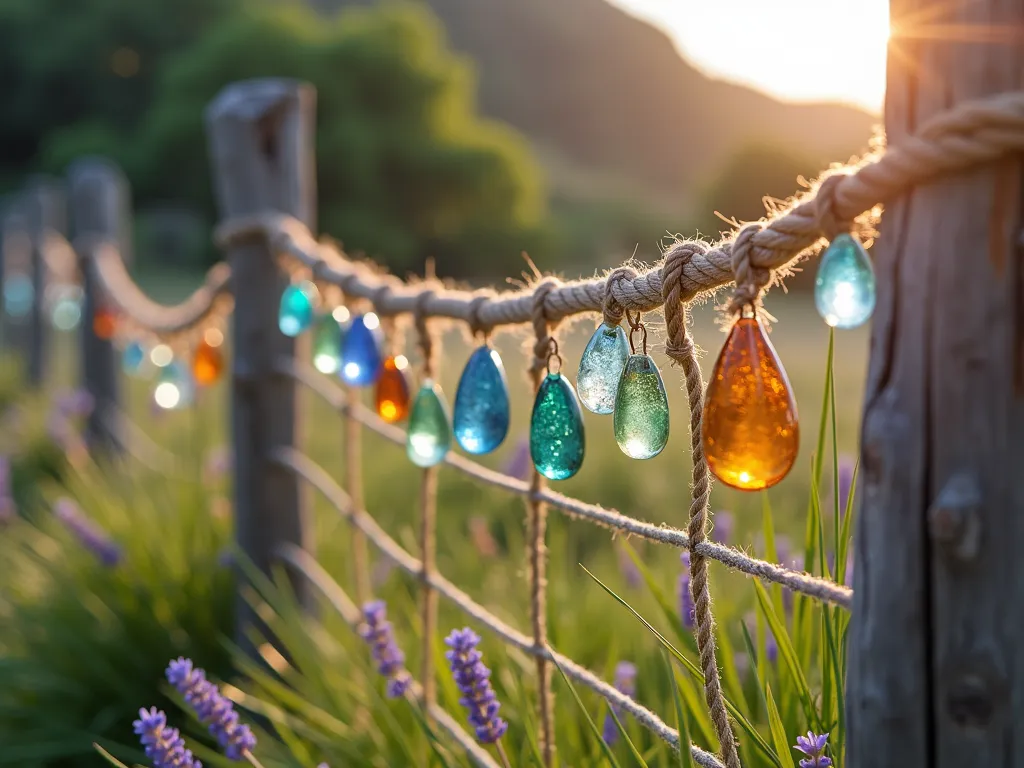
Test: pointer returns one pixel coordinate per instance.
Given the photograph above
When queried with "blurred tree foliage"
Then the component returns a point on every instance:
(406, 168)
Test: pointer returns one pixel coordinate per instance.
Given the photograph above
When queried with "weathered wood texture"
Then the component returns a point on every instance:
(936, 675)
(97, 193)
(261, 146)
(46, 211)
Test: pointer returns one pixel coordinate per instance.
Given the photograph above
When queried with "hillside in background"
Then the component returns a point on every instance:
(608, 95)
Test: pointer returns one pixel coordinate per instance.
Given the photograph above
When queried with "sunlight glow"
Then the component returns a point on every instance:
(341, 313)
(371, 321)
(161, 355)
(167, 395)
(423, 445)
(351, 371)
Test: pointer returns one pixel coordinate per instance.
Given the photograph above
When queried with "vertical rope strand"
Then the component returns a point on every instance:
(538, 516)
(680, 348)
(428, 522)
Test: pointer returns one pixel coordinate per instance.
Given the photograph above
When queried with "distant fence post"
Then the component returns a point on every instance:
(17, 276)
(261, 147)
(936, 671)
(45, 206)
(98, 194)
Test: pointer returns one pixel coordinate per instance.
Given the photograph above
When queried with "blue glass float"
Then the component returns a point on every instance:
(298, 307)
(556, 429)
(601, 366)
(133, 359)
(429, 435)
(481, 415)
(361, 358)
(844, 289)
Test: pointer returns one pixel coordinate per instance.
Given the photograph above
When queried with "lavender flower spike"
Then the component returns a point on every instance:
(687, 609)
(625, 683)
(90, 535)
(379, 635)
(164, 746)
(473, 679)
(214, 711)
(813, 746)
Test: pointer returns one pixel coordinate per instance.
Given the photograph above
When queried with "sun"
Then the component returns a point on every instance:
(798, 50)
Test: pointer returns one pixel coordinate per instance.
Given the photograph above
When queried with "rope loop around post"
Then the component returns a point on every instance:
(541, 324)
(750, 279)
(476, 326)
(424, 338)
(612, 309)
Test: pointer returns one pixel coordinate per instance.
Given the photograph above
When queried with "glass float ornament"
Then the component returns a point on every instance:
(749, 429)
(298, 306)
(327, 344)
(133, 359)
(175, 388)
(844, 289)
(161, 355)
(601, 368)
(429, 435)
(392, 393)
(208, 361)
(556, 426)
(66, 307)
(19, 295)
(361, 359)
(482, 415)
(641, 405)
(104, 323)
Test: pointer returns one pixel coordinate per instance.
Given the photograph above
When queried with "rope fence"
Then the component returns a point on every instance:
(267, 204)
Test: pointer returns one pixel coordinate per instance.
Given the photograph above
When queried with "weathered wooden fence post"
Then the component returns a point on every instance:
(17, 276)
(936, 675)
(97, 193)
(47, 215)
(261, 148)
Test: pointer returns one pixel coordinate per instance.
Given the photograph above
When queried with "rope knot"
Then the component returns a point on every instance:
(828, 222)
(541, 323)
(476, 326)
(750, 279)
(675, 290)
(612, 306)
(378, 298)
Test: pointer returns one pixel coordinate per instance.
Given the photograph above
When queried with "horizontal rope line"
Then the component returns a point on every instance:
(312, 570)
(310, 471)
(119, 287)
(812, 586)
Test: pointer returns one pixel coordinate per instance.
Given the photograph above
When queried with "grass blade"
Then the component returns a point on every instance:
(778, 731)
(685, 759)
(590, 721)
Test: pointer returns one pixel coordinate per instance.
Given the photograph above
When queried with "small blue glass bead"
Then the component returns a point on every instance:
(844, 289)
(556, 429)
(481, 403)
(133, 359)
(601, 366)
(361, 359)
(298, 305)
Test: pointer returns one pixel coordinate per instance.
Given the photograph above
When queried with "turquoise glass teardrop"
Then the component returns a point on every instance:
(601, 368)
(641, 409)
(327, 344)
(844, 289)
(556, 429)
(298, 303)
(429, 435)
(361, 358)
(481, 403)
(133, 359)
(175, 388)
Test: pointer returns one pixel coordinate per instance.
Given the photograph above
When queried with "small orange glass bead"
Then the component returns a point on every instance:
(104, 323)
(749, 429)
(392, 392)
(207, 363)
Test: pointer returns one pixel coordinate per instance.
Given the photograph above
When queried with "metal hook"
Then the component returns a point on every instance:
(553, 355)
(634, 326)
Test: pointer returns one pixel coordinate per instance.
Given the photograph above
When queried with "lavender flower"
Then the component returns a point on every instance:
(625, 683)
(848, 576)
(724, 523)
(473, 679)
(7, 507)
(379, 635)
(687, 610)
(846, 467)
(164, 746)
(813, 746)
(214, 711)
(75, 404)
(91, 536)
(519, 463)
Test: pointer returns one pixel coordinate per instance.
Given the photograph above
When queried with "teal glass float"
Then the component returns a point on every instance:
(429, 435)
(298, 307)
(641, 409)
(844, 289)
(175, 388)
(556, 429)
(481, 415)
(361, 358)
(133, 359)
(601, 368)
(327, 344)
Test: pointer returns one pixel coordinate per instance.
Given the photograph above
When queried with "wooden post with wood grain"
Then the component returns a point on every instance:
(936, 670)
(261, 146)
(97, 193)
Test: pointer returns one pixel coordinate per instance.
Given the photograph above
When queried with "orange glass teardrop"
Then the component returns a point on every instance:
(207, 364)
(104, 323)
(392, 393)
(749, 431)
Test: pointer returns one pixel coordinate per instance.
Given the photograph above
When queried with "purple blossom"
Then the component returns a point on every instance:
(813, 746)
(164, 746)
(75, 404)
(473, 679)
(519, 463)
(848, 576)
(687, 610)
(214, 711)
(846, 468)
(380, 636)
(625, 683)
(7, 507)
(89, 535)
(724, 523)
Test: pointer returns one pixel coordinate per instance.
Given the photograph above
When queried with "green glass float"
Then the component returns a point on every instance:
(327, 344)
(844, 288)
(430, 432)
(556, 429)
(601, 368)
(298, 307)
(641, 409)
